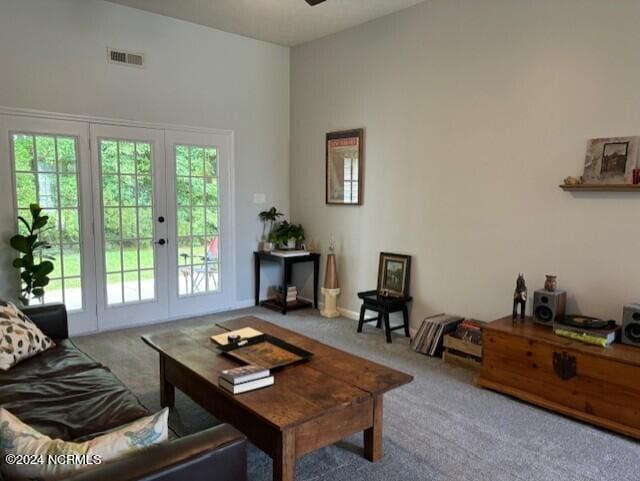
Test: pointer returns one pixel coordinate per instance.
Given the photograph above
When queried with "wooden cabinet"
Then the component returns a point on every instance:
(591, 383)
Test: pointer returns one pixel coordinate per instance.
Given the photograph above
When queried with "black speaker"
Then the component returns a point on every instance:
(631, 324)
(548, 306)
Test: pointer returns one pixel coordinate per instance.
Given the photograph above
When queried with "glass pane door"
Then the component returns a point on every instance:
(201, 274)
(49, 163)
(198, 235)
(130, 184)
(127, 202)
(45, 169)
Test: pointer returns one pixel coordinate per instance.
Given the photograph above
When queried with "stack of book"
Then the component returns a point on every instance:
(292, 294)
(245, 379)
(429, 338)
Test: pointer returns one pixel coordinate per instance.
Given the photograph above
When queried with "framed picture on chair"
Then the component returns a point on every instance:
(394, 274)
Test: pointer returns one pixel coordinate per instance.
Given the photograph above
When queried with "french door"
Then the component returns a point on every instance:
(199, 213)
(141, 217)
(130, 217)
(47, 162)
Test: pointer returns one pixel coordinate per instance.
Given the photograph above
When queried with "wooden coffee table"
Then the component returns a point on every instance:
(311, 405)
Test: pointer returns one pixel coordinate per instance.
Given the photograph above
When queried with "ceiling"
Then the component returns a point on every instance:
(285, 22)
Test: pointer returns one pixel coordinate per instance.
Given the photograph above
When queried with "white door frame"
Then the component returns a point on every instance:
(231, 286)
(131, 313)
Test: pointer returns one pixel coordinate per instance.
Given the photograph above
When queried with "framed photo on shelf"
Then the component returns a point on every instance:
(345, 166)
(611, 160)
(394, 275)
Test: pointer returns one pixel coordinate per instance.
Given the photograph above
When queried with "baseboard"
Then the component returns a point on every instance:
(235, 306)
(244, 304)
(320, 303)
(349, 314)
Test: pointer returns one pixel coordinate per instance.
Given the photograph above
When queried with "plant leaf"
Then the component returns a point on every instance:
(43, 269)
(40, 223)
(38, 292)
(41, 282)
(27, 261)
(17, 263)
(20, 243)
(35, 210)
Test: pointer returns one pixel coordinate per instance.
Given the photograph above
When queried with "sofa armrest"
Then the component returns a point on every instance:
(217, 454)
(51, 319)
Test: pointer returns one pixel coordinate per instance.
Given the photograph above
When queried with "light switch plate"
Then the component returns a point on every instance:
(259, 198)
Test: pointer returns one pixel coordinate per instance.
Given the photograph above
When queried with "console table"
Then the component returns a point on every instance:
(287, 268)
(594, 384)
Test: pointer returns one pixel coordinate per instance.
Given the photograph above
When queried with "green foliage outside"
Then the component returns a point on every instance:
(56, 170)
(127, 197)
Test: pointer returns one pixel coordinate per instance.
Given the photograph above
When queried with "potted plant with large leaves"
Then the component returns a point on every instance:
(34, 264)
(269, 217)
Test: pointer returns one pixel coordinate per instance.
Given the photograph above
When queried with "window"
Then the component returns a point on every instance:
(350, 180)
(127, 203)
(197, 204)
(45, 169)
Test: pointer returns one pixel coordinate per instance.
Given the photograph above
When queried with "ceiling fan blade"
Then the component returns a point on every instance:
(314, 2)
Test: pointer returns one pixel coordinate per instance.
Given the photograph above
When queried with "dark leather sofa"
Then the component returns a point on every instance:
(65, 394)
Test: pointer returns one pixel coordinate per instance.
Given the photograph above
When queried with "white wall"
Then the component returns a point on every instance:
(474, 113)
(53, 58)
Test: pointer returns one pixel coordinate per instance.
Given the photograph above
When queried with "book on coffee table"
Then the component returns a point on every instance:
(245, 378)
(245, 386)
(242, 374)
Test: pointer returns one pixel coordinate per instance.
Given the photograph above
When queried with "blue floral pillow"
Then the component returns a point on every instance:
(17, 438)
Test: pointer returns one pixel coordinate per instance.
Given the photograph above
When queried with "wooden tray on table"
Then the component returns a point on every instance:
(267, 351)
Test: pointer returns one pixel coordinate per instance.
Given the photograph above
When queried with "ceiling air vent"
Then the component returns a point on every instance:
(123, 57)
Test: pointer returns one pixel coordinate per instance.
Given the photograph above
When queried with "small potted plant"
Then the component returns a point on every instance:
(34, 271)
(296, 236)
(287, 235)
(268, 217)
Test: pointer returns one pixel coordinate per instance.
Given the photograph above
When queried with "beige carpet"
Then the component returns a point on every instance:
(440, 427)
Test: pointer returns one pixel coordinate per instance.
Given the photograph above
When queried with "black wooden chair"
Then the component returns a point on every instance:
(392, 295)
(383, 306)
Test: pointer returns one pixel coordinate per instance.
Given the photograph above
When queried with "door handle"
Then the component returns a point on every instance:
(161, 242)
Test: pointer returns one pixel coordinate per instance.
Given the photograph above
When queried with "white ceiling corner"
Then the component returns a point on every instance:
(285, 22)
